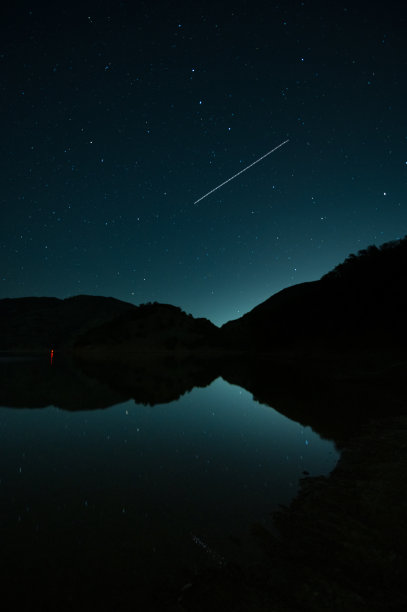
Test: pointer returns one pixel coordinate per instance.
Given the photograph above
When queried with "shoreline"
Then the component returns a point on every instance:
(341, 543)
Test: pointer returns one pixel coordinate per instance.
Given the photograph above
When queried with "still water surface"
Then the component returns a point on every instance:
(147, 490)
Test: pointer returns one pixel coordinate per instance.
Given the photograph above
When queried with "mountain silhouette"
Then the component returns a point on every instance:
(149, 328)
(360, 304)
(35, 323)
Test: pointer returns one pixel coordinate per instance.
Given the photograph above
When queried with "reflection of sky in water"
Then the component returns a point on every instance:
(210, 464)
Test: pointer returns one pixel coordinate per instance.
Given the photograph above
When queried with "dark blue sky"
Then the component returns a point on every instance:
(117, 116)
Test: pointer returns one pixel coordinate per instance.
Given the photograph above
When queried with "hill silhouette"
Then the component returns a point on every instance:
(149, 327)
(36, 323)
(99, 325)
(360, 303)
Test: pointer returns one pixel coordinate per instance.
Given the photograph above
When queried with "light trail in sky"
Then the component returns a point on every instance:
(244, 170)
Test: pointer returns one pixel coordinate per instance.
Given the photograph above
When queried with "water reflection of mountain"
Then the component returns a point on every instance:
(334, 405)
(151, 381)
(348, 528)
(34, 383)
(87, 385)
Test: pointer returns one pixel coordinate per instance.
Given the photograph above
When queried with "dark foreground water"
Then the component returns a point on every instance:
(115, 501)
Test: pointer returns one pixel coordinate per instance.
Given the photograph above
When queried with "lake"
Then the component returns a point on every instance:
(129, 496)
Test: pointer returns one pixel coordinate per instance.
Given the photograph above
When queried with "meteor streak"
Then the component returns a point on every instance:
(244, 170)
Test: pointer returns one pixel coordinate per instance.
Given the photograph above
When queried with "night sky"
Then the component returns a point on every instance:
(117, 116)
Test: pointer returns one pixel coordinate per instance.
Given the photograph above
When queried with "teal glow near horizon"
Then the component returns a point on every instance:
(109, 140)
